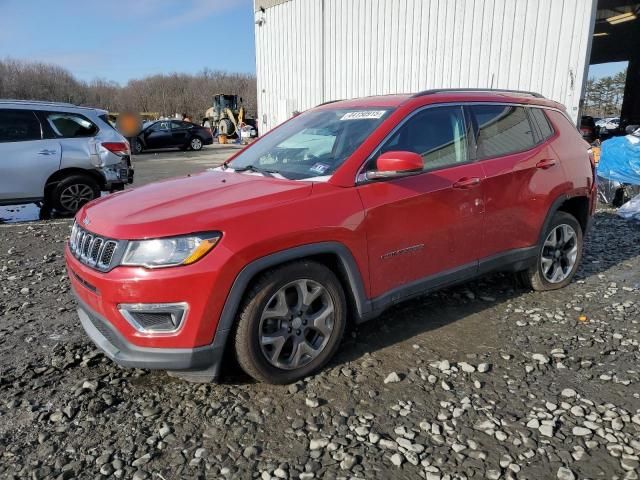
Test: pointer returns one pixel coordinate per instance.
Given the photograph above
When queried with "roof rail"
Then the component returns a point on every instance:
(36, 102)
(463, 90)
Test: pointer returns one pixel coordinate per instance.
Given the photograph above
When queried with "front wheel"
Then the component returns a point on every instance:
(558, 256)
(291, 322)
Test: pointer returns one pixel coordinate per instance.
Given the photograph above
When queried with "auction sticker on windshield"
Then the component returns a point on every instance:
(363, 114)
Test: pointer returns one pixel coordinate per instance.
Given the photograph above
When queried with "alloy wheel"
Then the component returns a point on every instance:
(296, 324)
(76, 195)
(559, 253)
(196, 144)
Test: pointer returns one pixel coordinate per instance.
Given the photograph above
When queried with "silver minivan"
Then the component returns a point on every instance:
(59, 154)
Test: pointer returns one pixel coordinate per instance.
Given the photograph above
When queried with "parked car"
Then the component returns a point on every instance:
(612, 123)
(172, 134)
(588, 128)
(327, 220)
(60, 154)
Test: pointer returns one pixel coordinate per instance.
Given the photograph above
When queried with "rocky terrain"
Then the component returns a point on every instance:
(484, 380)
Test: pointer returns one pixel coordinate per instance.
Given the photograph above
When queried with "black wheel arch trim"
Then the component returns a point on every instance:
(248, 273)
(555, 206)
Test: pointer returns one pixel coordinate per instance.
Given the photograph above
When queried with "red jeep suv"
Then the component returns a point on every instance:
(330, 218)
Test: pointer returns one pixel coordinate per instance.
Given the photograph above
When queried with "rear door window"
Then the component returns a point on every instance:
(19, 126)
(71, 125)
(178, 125)
(501, 130)
(543, 123)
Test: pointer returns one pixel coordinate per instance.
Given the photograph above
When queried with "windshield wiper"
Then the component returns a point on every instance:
(252, 168)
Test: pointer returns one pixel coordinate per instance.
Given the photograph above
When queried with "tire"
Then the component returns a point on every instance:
(138, 147)
(195, 144)
(71, 193)
(556, 264)
(226, 127)
(263, 323)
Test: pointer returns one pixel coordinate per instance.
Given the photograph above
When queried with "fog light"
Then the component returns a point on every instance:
(153, 318)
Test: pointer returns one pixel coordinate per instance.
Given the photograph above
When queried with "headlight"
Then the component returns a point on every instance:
(168, 252)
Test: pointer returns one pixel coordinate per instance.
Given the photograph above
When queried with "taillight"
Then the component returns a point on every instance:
(592, 159)
(119, 148)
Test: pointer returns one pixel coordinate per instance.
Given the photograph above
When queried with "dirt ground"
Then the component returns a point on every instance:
(483, 380)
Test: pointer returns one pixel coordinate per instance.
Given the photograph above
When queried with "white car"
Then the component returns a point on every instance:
(611, 123)
(59, 154)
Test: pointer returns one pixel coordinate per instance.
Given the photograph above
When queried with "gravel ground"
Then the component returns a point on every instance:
(484, 380)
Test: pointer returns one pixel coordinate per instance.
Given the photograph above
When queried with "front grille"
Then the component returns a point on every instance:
(92, 250)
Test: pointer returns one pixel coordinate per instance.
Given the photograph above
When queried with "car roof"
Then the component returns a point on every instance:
(46, 105)
(445, 95)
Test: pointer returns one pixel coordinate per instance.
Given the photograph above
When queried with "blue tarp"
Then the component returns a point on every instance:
(620, 159)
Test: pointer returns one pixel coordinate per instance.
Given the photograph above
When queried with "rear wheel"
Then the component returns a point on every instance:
(195, 144)
(137, 146)
(71, 193)
(291, 322)
(558, 256)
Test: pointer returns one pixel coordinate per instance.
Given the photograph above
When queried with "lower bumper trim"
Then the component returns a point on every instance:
(201, 363)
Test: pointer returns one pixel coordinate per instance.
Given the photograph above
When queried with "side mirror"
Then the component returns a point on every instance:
(396, 164)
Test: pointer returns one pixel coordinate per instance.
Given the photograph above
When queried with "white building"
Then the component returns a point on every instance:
(312, 51)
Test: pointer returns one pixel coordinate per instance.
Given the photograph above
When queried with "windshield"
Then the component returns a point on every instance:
(314, 144)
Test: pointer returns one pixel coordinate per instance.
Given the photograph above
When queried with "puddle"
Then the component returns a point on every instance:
(27, 213)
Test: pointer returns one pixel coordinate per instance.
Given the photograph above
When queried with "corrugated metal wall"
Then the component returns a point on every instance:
(310, 51)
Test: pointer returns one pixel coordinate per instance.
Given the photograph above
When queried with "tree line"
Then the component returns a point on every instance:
(164, 94)
(603, 97)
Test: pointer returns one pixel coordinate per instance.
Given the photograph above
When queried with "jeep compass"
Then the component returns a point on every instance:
(329, 219)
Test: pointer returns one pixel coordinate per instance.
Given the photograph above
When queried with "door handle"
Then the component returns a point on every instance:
(546, 163)
(467, 182)
(46, 152)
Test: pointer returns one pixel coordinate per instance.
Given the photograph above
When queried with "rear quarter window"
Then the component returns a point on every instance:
(105, 118)
(71, 125)
(546, 130)
(502, 130)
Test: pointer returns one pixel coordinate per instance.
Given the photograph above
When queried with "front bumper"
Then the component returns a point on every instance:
(198, 364)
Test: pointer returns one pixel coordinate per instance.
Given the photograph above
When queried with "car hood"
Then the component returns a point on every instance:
(196, 203)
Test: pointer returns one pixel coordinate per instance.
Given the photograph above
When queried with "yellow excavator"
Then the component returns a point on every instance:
(226, 116)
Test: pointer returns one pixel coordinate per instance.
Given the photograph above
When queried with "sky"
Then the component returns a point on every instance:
(124, 39)
(606, 69)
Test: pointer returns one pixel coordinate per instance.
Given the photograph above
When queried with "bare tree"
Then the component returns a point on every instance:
(164, 94)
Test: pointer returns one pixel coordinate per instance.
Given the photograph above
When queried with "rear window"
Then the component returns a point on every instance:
(71, 125)
(543, 123)
(502, 129)
(19, 126)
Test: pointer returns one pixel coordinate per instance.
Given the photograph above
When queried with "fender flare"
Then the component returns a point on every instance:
(236, 293)
(555, 206)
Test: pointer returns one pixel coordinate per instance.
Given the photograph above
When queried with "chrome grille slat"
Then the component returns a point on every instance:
(92, 250)
(107, 253)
